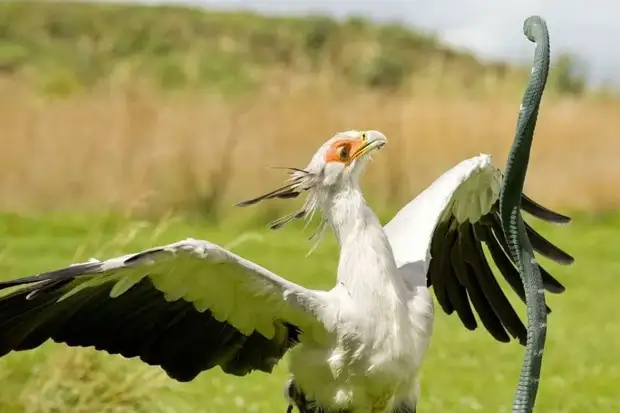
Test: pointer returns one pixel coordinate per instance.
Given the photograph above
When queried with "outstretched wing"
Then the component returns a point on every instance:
(187, 307)
(437, 240)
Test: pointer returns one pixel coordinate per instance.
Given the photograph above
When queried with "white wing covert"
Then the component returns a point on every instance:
(437, 241)
(187, 307)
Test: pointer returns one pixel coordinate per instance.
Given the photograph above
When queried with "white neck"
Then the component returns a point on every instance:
(366, 267)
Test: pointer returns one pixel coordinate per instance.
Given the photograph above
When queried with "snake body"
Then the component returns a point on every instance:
(535, 29)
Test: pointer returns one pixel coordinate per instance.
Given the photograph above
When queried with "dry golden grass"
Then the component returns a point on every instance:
(129, 146)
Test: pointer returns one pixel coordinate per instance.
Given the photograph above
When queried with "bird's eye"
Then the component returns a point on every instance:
(364, 136)
(344, 152)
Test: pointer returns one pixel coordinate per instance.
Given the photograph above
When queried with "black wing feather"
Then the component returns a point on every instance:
(469, 279)
(455, 292)
(461, 274)
(536, 210)
(443, 237)
(138, 323)
(501, 260)
(546, 248)
(472, 250)
(549, 282)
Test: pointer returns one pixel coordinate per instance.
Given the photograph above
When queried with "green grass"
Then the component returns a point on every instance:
(464, 371)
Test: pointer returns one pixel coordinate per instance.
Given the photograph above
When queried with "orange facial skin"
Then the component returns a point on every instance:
(343, 150)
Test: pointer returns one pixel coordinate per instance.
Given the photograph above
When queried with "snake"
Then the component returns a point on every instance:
(535, 29)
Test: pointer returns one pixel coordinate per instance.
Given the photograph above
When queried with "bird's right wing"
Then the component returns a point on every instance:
(187, 307)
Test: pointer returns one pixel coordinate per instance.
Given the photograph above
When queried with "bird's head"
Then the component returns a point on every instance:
(341, 159)
(336, 165)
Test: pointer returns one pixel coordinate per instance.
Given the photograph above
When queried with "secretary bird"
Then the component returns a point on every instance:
(192, 305)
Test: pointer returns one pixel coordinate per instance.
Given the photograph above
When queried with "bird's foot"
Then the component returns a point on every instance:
(297, 398)
(405, 408)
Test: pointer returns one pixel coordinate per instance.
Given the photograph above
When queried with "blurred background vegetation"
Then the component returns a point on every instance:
(70, 47)
(123, 125)
(176, 108)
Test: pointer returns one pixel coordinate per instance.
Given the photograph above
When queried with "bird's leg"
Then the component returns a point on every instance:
(404, 408)
(298, 399)
(295, 397)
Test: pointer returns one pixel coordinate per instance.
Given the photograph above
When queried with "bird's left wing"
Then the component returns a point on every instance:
(187, 307)
(437, 240)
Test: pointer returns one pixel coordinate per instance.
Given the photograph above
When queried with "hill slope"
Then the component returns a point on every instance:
(68, 46)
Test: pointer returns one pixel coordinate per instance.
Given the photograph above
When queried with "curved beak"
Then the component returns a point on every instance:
(375, 140)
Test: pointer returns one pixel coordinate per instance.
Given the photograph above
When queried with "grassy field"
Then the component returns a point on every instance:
(464, 371)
